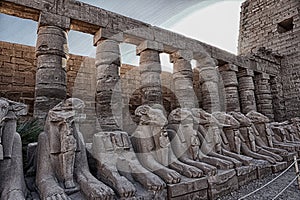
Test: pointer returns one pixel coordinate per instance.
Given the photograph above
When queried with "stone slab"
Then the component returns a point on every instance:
(264, 171)
(223, 183)
(245, 174)
(279, 166)
(186, 187)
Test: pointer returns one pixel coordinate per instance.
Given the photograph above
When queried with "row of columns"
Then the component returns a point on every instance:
(241, 94)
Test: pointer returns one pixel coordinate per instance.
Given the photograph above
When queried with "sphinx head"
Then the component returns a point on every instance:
(151, 115)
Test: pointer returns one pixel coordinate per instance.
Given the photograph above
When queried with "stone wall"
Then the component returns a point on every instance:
(274, 26)
(17, 73)
(17, 82)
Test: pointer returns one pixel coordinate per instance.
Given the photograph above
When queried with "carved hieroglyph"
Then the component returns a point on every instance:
(62, 167)
(12, 185)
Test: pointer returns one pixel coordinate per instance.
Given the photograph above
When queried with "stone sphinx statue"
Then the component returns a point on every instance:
(214, 139)
(252, 139)
(293, 129)
(265, 135)
(185, 140)
(62, 167)
(281, 136)
(116, 159)
(236, 141)
(152, 145)
(12, 185)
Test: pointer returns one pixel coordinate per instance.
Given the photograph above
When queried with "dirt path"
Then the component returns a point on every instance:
(270, 191)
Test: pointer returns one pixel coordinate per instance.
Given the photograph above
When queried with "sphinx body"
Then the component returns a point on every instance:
(215, 143)
(251, 137)
(265, 136)
(152, 145)
(117, 164)
(12, 185)
(62, 167)
(185, 141)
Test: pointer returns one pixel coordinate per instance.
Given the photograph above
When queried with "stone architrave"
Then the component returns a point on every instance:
(229, 75)
(150, 70)
(209, 80)
(108, 91)
(246, 90)
(52, 54)
(62, 167)
(264, 99)
(12, 185)
(183, 78)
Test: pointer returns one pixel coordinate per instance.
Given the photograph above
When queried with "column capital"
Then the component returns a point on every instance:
(50, 19)
(228, 67)
(264, 76)
(181, 54)
(148, 44)
(105, 33)
(245, 72)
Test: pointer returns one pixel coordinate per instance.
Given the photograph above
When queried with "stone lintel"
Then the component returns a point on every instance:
(50, 19)
(229, 67)
(263, 76)
(147, 44)
(104, 33)
(245, 72)
(181, 54)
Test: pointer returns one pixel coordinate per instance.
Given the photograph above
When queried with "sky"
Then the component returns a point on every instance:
(215, 22)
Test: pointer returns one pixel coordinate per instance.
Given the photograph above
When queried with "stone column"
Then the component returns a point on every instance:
(246, 90)
(108, 89)
(183, 78)
(263, 94)
(150, 70)
(278, 98)
(52, 55)
(209, 79)
(229, 75)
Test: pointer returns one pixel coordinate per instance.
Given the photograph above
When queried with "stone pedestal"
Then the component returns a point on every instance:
(229, 75)
(245, 174)
(224, 182)
(183, 79)
(188, 189)
(279, 166)
(108, 91)
(246, 90)
(150, 70)
(52, 54)
(264, 171)
(263, 94)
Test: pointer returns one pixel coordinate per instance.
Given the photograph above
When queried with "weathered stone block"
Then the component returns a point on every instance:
(149, 45)
(50, 19)
(222, 183)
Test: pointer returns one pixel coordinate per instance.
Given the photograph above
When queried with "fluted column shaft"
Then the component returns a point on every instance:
(150, 70)
(229, 75)
(52, 55)
(246, 90)
(108, 89)
(209, 79)
(183, 79)
(263, 94)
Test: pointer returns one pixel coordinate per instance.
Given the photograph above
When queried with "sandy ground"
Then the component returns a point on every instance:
(270, 191)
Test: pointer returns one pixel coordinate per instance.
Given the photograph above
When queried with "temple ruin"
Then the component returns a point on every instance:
(116, 131)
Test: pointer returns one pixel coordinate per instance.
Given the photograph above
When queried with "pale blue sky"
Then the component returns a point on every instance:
(215, 22)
